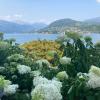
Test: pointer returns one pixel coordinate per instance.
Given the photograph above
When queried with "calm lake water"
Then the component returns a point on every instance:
(22, 38)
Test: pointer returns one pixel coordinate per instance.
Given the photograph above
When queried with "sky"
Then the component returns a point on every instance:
(48, 10)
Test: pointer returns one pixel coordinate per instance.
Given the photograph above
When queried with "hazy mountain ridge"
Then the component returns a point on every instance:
(14, 27)
(58, 26)
(93, 20)
(62, 25)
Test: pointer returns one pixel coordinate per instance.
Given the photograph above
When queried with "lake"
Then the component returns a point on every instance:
(22, 38)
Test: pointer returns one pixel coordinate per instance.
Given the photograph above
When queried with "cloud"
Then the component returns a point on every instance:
(14, 17)
(98, 1)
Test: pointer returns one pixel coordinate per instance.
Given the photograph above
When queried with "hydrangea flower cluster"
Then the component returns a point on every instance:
(15, 57)
(65, 60)
(3, 82)
(10, 89)
(35, 73)
(40, 63)
(94, 77)
(62, 75)
(7, 87)
(4, 45)
(46, 92)
(95, 70)
(22, 69)
(40, 80)
(46, 89)
(57, 84)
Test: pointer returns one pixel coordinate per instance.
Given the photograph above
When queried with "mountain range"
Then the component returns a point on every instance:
(62, 25)
(14, 27)
(58, 26)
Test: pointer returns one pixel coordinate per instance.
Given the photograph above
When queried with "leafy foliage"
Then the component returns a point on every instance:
(71, 66)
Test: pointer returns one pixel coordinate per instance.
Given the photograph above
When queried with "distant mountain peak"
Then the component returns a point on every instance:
(63, 22)
(93, 20)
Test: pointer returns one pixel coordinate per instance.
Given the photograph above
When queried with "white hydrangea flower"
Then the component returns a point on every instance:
(15, 57)
(57, 84)
(46, 89)
(62, 75)
(7, 82)
(46, 92)
(94, 77)
(94, 81)
(40, 63)
(4, 82)
(40, 80)
(95, 70)
(22, 69)
(65, 60)
(35, 73)
(6, 87)
(10, 89)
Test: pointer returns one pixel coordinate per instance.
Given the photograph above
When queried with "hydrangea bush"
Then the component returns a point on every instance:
(74, 75)
(46, 89)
